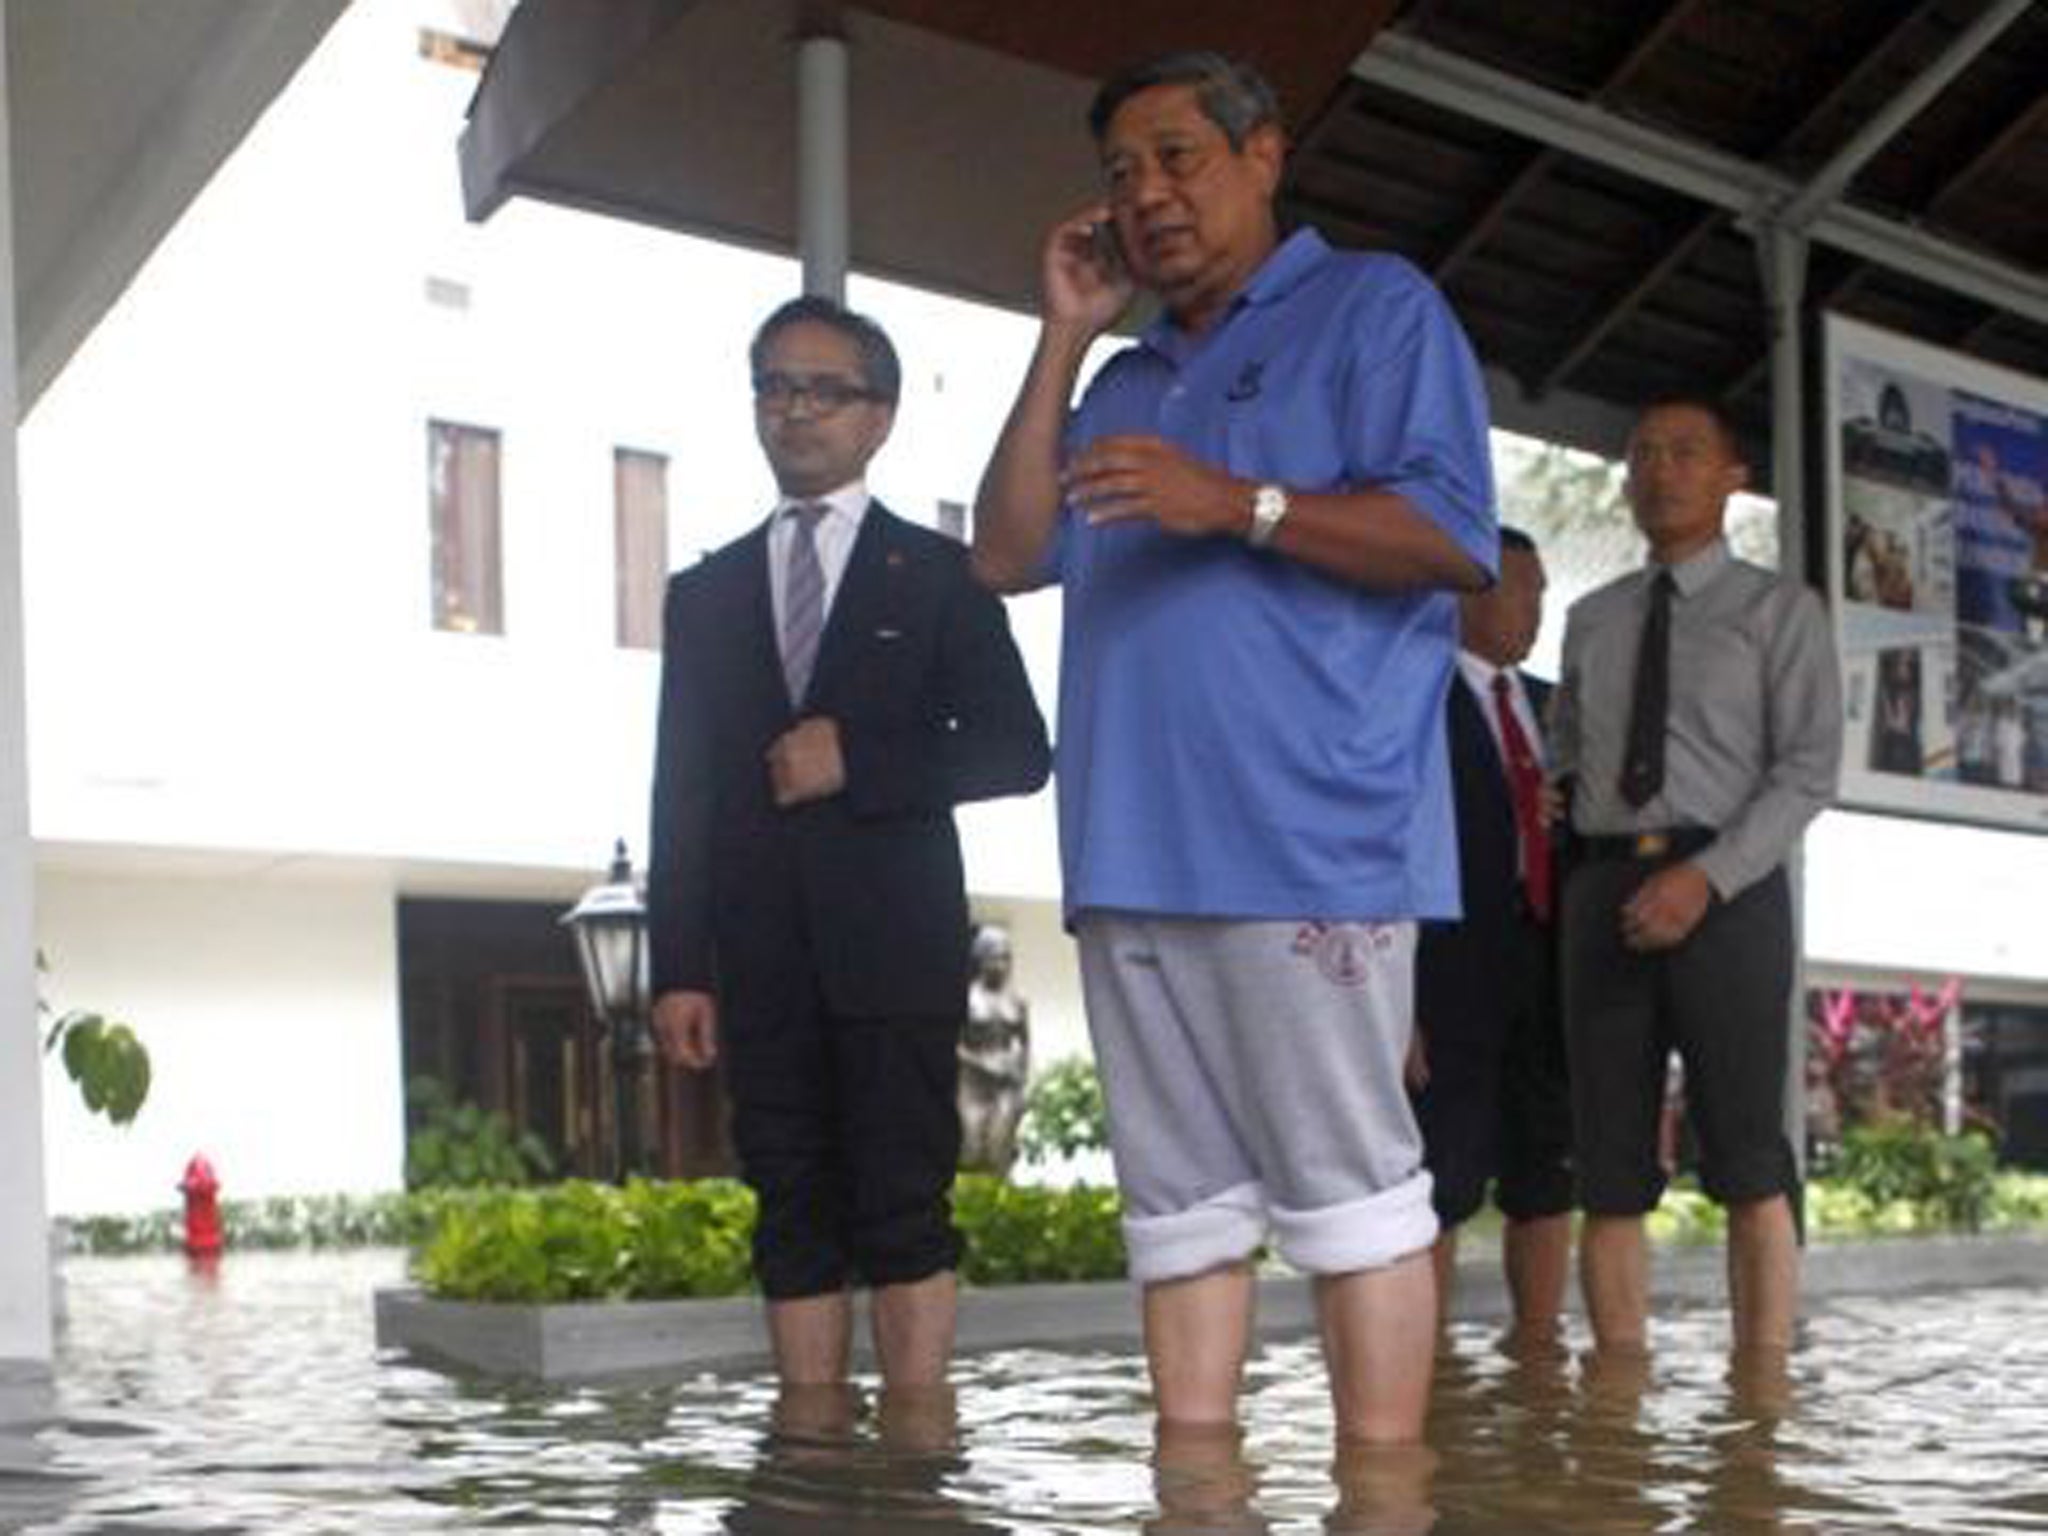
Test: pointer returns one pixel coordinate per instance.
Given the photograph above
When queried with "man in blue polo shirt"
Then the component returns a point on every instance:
(1259, 514)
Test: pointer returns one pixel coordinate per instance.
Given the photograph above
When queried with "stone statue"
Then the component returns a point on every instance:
(995, 1058)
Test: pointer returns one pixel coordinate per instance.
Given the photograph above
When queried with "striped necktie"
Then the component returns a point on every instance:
(803, 599)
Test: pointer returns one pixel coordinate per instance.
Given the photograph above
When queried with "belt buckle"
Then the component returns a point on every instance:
(1652, 845)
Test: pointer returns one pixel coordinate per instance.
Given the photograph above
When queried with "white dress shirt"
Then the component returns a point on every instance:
(837, 529)
(1479, 674)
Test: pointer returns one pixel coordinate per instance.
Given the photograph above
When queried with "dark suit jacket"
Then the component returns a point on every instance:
(857, 898)
(1462, 965)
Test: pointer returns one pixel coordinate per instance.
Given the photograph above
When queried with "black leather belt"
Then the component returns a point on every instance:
(1661, 843)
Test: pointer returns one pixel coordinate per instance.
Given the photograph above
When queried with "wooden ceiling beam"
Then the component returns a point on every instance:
(1630, 295)
(1539, 161)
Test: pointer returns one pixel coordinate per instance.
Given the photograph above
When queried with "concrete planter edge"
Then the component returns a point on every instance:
(623, 1339)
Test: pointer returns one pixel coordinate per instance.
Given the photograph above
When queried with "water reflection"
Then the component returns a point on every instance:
(256, 1402)
(1203, 1483)
(823, 1471)
(1383, 1490)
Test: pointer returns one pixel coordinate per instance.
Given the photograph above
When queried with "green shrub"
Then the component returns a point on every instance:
(1686, 1215)
(1019, 1232)
(1947, 1180)
(456, 1143)
(1891, 1179)
(2019, 1200)
(390, 1220)
(1064, 1113)
(579, 1241)
(152, 1232)
(689, 1239)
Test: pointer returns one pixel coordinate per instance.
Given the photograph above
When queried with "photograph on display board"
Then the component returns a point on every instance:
(1901, 717)
(1898, 525)
(2001, 524)
(1939, 577)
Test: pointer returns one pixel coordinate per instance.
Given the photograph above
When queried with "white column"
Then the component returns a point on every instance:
(24, 1224)
(824, 237)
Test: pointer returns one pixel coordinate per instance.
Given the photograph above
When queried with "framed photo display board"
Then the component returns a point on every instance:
(1936, 483)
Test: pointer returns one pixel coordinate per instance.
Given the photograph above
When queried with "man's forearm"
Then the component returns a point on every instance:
(1017, 507)
(1376, 539)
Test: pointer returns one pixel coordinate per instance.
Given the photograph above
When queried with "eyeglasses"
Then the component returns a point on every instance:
(823, 393)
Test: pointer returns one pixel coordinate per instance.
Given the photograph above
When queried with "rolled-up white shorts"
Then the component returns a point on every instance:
(1253, 1073)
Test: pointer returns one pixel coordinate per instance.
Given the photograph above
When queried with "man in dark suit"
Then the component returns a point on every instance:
(1488, 1066)
(833, 683)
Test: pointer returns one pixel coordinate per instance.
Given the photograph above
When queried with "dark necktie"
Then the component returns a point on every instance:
(803, 599)
(1642, 770)
(1525, 789)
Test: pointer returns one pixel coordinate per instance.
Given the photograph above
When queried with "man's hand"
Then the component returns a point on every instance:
(1415, 1070)
(1082, 277)
(1666, 908)
(805, 763)
(686, 1028)
(1115, 479)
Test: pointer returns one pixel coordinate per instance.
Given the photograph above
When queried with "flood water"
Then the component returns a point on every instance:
(255, 1401)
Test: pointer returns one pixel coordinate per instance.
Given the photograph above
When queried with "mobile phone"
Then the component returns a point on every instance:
(1108, 246)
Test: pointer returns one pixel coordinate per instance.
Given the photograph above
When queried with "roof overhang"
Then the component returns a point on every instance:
(968, 134)
(118, 115)
(1585, 182)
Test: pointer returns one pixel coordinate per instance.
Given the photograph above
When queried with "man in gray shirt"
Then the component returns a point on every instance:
(1697, 730)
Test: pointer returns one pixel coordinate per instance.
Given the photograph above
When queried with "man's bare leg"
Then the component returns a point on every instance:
(1763, 1273)
(1614, 1269)
(1379, 1343)
(1443, 1262)
(913, 1327)
(814, 1412)
(1201, 1478)
(812, 1337)
(1537, 1255)
(1197, 1332)
(919, 1420)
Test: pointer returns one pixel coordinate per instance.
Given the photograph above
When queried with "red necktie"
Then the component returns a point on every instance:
(1525, 789)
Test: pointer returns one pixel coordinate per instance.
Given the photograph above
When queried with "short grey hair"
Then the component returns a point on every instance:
(879, 368)
(1232, 95)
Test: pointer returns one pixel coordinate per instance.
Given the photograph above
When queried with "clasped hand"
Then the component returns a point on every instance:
(1115, 479)
(1666, 908)
(805, 763)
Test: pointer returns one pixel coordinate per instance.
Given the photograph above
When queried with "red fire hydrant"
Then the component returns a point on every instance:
(202, 1208)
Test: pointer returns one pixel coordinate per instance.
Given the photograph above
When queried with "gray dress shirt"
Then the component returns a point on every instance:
(1753, 742)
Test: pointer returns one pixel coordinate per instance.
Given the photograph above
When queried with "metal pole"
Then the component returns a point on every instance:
(1746, 189)
(1782, 253)
(635, 1042)
(629, 1062)
(823, 220)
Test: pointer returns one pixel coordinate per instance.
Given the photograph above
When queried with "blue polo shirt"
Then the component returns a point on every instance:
(1240, 735)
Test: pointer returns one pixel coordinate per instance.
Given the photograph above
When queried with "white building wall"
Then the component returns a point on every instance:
(1897, 895)
(230, 642)
(230, 633)
(268, 1002)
